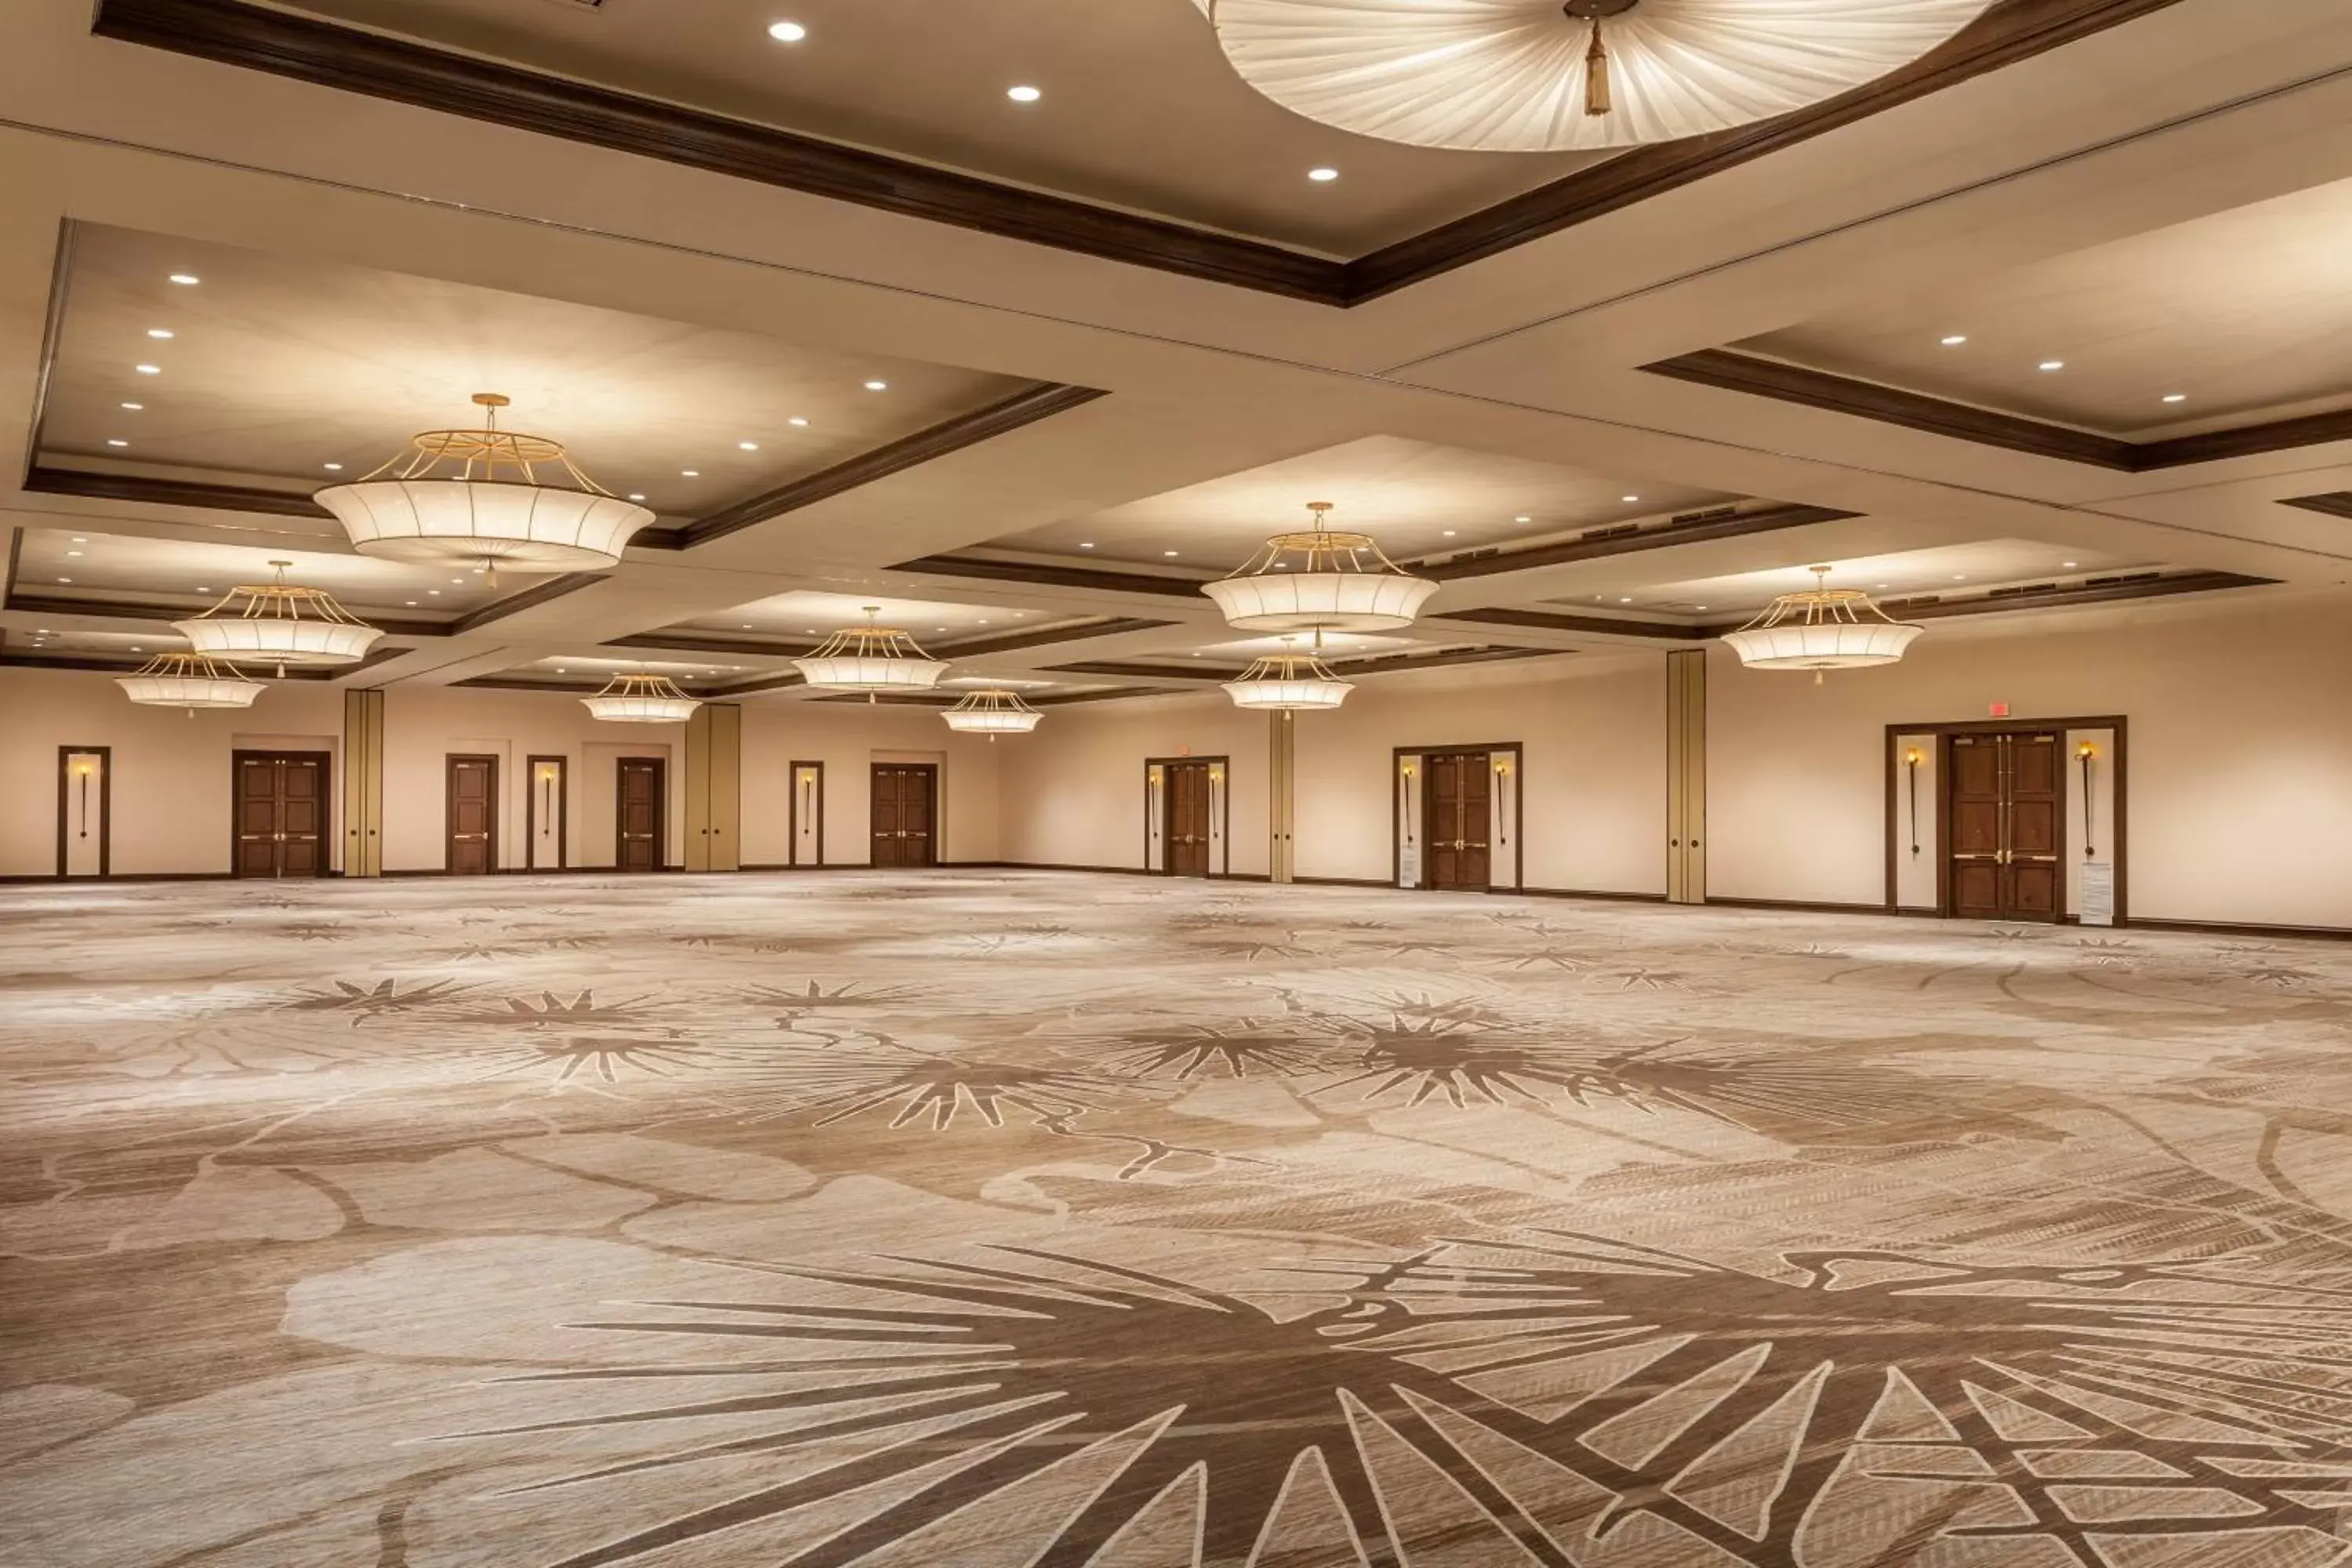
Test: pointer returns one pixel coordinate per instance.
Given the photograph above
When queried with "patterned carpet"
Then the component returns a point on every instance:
(1004, 1219)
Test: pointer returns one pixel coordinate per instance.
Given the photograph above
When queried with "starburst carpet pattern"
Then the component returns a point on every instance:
(1001, 1219)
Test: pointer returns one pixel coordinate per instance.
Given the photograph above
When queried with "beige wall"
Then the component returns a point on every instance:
(847, 738)
(1073, 790)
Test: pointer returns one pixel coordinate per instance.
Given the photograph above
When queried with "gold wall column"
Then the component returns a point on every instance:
(1282, 794)
(1686, 777)
(714, 788)
(363, 783)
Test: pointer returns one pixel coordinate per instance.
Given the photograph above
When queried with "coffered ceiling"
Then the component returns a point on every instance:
(1059, 414)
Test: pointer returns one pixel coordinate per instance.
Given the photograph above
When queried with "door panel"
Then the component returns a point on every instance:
(280, 815)
(472, 816)
(2005, 823)
(904, 818)
(1459, 808)
(1187, 836)
(639, 813)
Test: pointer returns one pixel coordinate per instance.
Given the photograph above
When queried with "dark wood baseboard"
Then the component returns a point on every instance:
(1798, 906)
(2241, 928)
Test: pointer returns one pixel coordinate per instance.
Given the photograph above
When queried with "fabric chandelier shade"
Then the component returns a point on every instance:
(1541, 76)
(992, 713)
(637, 699)
(279, 624)
(189, 680)
(870, 658)
(1289, 681)
(1821, 629)
(486, 495)
(1320, 580)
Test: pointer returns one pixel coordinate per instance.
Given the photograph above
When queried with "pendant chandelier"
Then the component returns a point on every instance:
(1320, 580)
(993, 714)
(1541, 76)
(486, 496)
(1289, 681)
(871, 659)
(189, 680)
(276, 622)
(1821, 629)
(638, 699)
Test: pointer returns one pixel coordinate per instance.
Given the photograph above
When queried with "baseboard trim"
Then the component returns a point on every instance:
(2241, 928)
(1802, 906)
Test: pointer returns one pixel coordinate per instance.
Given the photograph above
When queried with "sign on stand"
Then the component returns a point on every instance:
(2098, 892)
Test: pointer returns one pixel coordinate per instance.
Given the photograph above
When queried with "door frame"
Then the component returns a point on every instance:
(326, 761)
(105, 755)
(497, 808)
(563, 813)
(930, 839)
(1518, 751)
(816, 811)
(2118, 831)
(1223, 828)
(660, 766)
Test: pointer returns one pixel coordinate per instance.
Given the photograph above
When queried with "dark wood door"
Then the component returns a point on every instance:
(472, 815)
(1456, 809)
(2005, 827)
(280, 815)
(639, 813)
(1189, 826)
(905, 815)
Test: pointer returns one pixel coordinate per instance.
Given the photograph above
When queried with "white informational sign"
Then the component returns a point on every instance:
(2098, 892)
(1409, 865)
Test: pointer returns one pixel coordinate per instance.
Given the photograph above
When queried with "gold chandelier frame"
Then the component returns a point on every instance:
(481, 454)
(1322, 548)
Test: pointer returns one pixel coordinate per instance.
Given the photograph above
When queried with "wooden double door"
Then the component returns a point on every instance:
(905, 813)
(1191, 829)
(2005, 824)
(281, 813)
(640, 812)
(1456, 813)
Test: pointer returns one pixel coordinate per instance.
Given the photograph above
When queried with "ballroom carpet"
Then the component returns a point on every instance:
(996, 1219)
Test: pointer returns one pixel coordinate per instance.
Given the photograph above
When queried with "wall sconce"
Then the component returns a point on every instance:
(2082, 755)
(82, 771)
(1502, 803)
(1911, 758)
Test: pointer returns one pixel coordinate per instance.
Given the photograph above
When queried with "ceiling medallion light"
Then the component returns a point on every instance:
(1289, 681)
(278, 623)
(1821, 629)
(638, 699)
(1320, 580)
(486, 496)
(189, 680)
(993, 714)
(871, 659)
(1541, 76)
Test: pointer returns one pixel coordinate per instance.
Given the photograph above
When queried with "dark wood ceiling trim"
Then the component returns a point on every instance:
(1046, 636)
(528, 598)
(689, 641)
(146, 490)
(2334, 503)
(1752, 374)
(1145, 670)
(526, 683)
(1001, 417)
(1102, 579)
(2012, 31)
(328, 54)
(2091, 590)
(1109, 694)
(1435, 659)
(124, 663)
(165, 614)
(1559, 621)
(1691, 528)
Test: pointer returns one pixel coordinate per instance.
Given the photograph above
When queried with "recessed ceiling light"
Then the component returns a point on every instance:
(431, 592)
(2069, 563)
(1323, 176)
(186, 280)
(1959, 576)
(2176, 398)
(1629, 500)
(64, 579)
(73, 552)
(1023, 94)
(787, 32)
(410, 603)
(878, 387)
(1625, 600)
(1167, 552)
(201, 589)
(748, 445)
(636, 497)
(164, 334)
(796, 420)
(134, 407)
(1954, 340)
(1699, 606)
(136, 648)
(1886, 585)
(689, 473)
(116, 441)
(2052, 364)
(332, 468)
(1522, 519)
(1088, 545)
(1449, 533)
(147, 369)
(81, 538)
(460, 582)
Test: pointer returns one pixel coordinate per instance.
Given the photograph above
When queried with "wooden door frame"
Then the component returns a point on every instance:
(660, 765)
(930, 839)
(1223, 828)
(448, 778)
(2118, 830)
(793, 813)
(563, 813)
(1517, 749)
(326, 761)
(105, 755)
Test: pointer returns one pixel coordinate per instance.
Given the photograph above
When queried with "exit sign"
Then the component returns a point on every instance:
(2000, 710)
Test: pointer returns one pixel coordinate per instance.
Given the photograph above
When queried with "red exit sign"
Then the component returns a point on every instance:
(2000, 709)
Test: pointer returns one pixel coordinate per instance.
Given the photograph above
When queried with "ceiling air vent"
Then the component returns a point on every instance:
(1619, 531)
(1711, 514)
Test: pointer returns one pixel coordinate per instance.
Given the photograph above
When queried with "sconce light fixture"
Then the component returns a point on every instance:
(1911, 758)
(2082, 755)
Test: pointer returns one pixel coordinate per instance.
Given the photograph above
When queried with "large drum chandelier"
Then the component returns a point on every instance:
(993, 714)
(637, 699)
(278, 623)
(1821, 629)
(871, 659)
(486, 496)
(1320, 580)
(189, 680)
(1541, 76)
(1289, 682)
